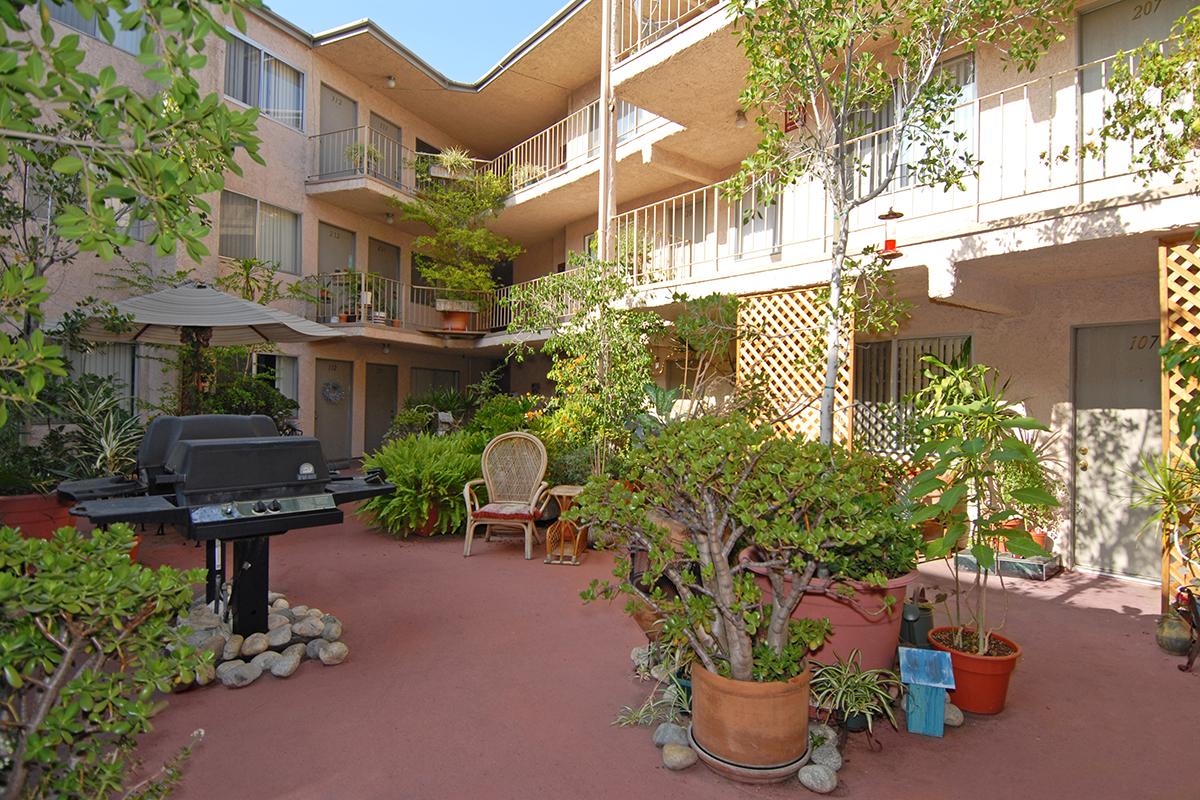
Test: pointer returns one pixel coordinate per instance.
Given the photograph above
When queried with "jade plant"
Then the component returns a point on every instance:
(807, 507)
(87, 645)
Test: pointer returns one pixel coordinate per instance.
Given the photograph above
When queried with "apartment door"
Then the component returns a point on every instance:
(339, 149)
(383, 259)
(387, 140)
(334, 407)
(335, 249)
(1118, 420)
(382, 380)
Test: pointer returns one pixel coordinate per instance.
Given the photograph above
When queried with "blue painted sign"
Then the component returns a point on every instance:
(926, 668)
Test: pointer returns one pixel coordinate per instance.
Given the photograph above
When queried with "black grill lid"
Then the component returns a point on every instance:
(277, 465)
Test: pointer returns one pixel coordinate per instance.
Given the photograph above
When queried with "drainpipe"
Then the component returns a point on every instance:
(607, 207)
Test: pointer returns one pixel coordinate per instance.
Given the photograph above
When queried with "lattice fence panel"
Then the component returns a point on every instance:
(1180, 286)
(785, 329)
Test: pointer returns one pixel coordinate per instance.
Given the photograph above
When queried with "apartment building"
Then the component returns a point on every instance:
(1052, 263)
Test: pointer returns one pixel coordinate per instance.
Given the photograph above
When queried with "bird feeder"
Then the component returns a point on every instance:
(890, 251)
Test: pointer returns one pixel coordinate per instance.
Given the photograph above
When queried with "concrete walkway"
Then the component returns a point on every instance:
(487, 678)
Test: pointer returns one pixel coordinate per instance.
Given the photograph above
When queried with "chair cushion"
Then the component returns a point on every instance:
(519, 511)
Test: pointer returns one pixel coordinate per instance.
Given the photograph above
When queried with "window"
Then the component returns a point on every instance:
(759, 224)
(67, 14)
(250, 229)
(281, 371)
(113, 361)
(885, 374)
(425, 380)
(257, 78)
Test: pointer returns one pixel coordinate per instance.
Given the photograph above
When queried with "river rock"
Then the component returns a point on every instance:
(287, 662)
(254, 644)
(202, 617)
(300, 610)
(954, 716)
(314, 612)
(827, 755)
(333, 653)
(817, 778)
(670, 733)
(265, 660)
(278, 638)
(275, 620)
(333, 628)
(273, 596)
(214, 644)
(205, 674)
(233, 647)
(281, 603)
(313, 649)
(678, 756)
(819, 730)
(308, 627)
(236, 674)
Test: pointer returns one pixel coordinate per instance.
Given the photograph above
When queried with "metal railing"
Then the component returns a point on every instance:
(365, 152)
(568, 143)
(364, 298)
(641, 23)
(1039, 145)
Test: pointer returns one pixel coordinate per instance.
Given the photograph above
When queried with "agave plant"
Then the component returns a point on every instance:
(845, 689)
(103, 435)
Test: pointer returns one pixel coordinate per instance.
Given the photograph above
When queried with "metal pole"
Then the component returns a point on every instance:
(608, 139)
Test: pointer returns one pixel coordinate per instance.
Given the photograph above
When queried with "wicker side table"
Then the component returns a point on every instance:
(564, 539)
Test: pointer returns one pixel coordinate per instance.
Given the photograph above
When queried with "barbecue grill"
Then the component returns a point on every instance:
(220, 479)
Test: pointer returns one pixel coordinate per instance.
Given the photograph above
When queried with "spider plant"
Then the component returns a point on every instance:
(844, 689)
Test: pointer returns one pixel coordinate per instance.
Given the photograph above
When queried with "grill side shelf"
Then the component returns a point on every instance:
(348, 491)
(152, 508)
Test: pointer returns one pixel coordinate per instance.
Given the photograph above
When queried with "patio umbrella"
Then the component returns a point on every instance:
(196, 316)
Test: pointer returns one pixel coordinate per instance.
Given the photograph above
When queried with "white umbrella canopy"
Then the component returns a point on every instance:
(162, 317)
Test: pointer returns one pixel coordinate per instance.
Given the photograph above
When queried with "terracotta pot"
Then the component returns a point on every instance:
(874, 635)
(456, 320)
(133, 552)
(981, 682)
(427, 528)
(746, 724)
(37, 515)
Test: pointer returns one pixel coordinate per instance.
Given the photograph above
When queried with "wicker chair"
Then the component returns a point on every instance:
(513, 467)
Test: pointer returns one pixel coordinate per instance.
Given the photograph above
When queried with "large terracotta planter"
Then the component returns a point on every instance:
(37, 515)
(981, 682)
(456, 314)
(875, 635)
(750, 731)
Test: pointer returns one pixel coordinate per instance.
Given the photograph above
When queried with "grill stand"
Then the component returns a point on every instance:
(250, 577)
(214, 560)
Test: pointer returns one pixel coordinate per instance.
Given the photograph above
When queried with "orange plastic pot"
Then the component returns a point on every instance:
(456, 320)
(750, 724)
(980, 682)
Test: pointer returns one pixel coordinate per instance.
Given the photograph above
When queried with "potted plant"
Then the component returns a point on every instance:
(852, 697)
(363, 156)
(458, 253)
(973, 438)
(728, 481)
(865, 599)
(453, 163)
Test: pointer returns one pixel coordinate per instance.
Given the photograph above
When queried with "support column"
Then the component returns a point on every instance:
(606, 206)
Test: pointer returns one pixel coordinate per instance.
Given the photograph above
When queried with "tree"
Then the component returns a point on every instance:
(85, 159)
(831, 65)
(1154, 100)
(459, 251)
(600, 342)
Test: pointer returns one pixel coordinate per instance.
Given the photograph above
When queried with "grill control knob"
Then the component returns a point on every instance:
(275, 506)
(260, 507)
(228, 510)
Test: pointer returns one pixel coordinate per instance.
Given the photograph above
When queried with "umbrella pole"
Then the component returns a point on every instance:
(195, 368)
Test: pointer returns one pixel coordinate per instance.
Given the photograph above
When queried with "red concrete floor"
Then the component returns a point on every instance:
(487, 678)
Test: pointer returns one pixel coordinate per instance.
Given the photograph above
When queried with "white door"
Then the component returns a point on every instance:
(1118, 419)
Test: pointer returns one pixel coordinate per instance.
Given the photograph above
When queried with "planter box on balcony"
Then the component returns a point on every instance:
(456, 314)
(468, 306)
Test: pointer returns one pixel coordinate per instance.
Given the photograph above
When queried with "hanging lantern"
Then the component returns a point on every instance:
(890, 251)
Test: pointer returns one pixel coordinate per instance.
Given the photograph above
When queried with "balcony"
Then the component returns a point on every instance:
(1041, 153)
(362, 169)
(642, 23)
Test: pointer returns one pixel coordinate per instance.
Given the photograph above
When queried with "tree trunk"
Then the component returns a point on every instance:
(833, 330)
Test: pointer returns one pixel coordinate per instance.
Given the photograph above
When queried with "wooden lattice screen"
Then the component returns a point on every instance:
(784, 329)
(1179, 277)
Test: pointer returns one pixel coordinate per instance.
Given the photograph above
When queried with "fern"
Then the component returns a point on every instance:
(429, 473)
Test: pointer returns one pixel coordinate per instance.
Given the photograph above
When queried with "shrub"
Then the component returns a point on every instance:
(409, 421)
(429, 473)
(502, 413)
(86, 642)
(244, 393)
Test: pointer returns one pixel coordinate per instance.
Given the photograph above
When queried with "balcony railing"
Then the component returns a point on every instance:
(1039, 144)
(369, 299)
(641, 23)
(365, 152)
(568, 143)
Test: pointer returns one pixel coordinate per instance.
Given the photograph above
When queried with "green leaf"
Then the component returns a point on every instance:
(1033, 496)
(68, 165)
